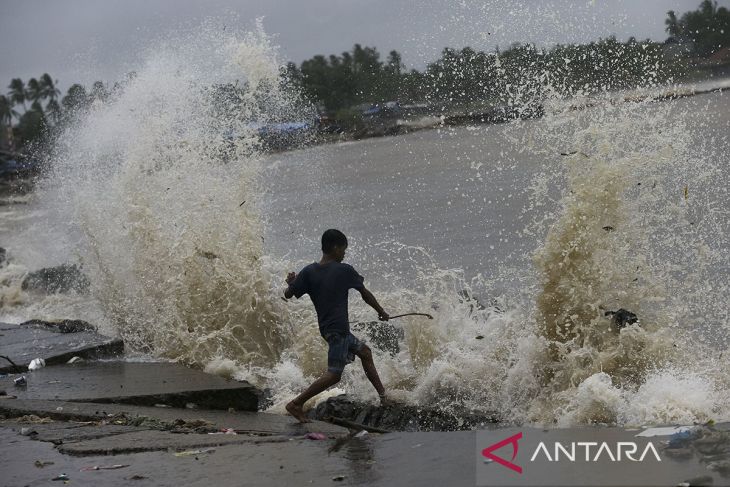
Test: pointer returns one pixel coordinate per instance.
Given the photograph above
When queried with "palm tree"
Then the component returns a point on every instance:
(53, 109)
(33, 91)
(674, 28)
(48, 87)
(6, 111)
(17, 92)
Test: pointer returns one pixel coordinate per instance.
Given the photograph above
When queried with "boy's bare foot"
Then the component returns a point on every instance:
(385, 401)
(297, 411)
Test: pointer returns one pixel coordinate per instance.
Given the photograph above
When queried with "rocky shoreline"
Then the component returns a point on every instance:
(104, 420)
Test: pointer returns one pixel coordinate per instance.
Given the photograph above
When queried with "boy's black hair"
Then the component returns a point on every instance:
(332, 238)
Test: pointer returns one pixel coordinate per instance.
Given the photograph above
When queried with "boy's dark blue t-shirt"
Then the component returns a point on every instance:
(328, 286)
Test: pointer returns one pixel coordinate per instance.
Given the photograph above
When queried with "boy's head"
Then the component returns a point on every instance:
(334, 244)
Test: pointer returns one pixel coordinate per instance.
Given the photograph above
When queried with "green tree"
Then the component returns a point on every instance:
(6, 111)
(75, 99)
(33, 92)
(17, 92)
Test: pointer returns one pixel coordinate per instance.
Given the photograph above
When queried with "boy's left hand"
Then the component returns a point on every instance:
(290, 277)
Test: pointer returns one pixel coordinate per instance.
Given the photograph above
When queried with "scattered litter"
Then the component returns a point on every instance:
(479, 337)
(28, 431)
(54, 382)
(686, 192)
(191, 405)
(42, 463)
(102, 467)
(418, 445)
(74, 360)
(361, 434)
(188, 453)
(59, 408)
(608, 228)
(137, 477)
(231, 410)
(664, 431)
(36, 363)
(62, 476)
(20, 381)
(162, 406)
(339, 478)
(32, 418)
(315, 436)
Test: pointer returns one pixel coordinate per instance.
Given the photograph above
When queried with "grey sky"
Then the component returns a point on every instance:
(85, 40)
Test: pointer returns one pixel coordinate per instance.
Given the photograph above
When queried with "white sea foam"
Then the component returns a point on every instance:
(152, 180)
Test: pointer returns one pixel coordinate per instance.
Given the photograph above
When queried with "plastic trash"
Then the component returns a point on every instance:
(36, 363)
(339, 478)
(62, 476)
(315, 436)
(26, 431)
(361, 434)
(42, 463)
(188, 453)
(102, 467)
(74, 360)
(20, 381)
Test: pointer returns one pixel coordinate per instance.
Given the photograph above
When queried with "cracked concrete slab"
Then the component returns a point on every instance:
(255, 423)
(25, 343)
(135, 383)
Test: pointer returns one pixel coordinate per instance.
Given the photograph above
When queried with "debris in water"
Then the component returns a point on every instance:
(188, 453)
(33, 419)
(241, 203)
(339, 478)
(315, 436)
(102, 467)
(62, 476)
(361, 434)
(137, 477)
(74, 360)
(36, 363)
(42, 463)
(479, 337)
(20, 381)
(608, 228)
(686, 192)
(28, 431)
(622, 317)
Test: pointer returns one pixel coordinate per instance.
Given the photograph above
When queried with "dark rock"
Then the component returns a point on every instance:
(399, 417)
(622, 318)
(60, 279)
(61, 326)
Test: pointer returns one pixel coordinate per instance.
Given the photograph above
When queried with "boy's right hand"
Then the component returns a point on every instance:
(290, 277)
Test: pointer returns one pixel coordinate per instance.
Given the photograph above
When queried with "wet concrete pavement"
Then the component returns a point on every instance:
(25, 343)
(134, 383)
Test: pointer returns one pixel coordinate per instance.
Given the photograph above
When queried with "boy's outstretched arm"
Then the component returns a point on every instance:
(368, 297)
(288, 293)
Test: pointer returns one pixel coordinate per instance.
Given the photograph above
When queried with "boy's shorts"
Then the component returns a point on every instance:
(342, 350)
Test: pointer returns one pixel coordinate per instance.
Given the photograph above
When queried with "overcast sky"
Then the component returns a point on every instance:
(85, 40)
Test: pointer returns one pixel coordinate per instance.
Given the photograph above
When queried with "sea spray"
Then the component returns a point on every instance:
(161, 182)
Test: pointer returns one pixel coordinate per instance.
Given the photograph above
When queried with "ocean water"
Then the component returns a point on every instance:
(523, 234)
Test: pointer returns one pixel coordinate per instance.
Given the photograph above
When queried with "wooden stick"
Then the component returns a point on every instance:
(413, 314)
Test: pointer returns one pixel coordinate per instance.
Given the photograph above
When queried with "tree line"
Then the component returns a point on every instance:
(517, 76)
(31, 111)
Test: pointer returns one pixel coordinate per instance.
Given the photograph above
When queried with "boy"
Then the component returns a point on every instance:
(327, 282)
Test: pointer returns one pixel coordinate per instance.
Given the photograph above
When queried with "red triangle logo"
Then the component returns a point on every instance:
(487, 452)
